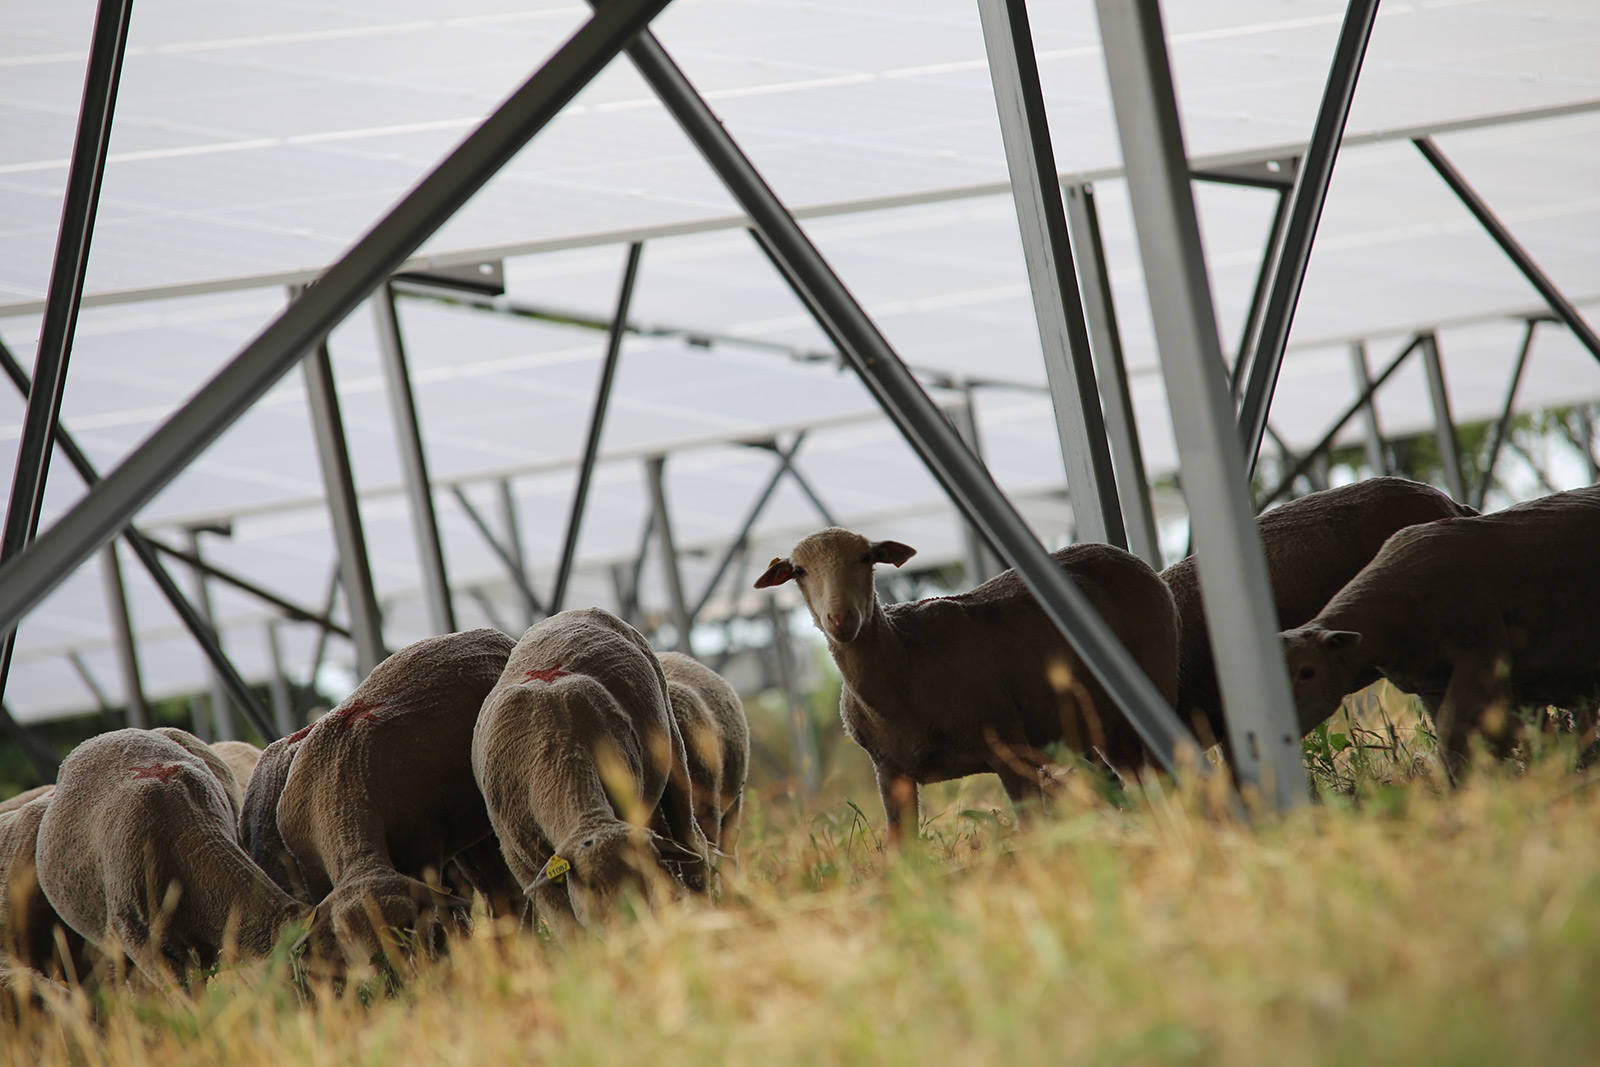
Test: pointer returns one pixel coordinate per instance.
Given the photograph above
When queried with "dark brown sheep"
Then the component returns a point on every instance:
(258, 816)
(1314, 545)
(943, 688)
(1469, 614)
(716, 740)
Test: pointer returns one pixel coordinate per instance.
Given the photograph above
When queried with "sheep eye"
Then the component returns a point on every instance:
(588, 843)
(799, 572)
(866, 557)
(1306, 673)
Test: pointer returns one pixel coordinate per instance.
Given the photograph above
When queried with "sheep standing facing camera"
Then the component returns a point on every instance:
(716, 741)
(379, 794)
(1314, 545)
(1469, 614)
(137, 853)
(952, 686)
(574, 750)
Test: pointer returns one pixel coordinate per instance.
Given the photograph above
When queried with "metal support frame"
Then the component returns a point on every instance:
(90, 146)
(278, 683)
(919, 420)
(344, 510)
(320, 649)
(221, 715)
(1262, 354)
(1063, 335)
(289, 608)
(512, 560)
(1377, 452)
(122, 638)
(682, 621)
(26, 580)
(1111, 371)
(741, 541)
(101, 701)
(1559, 304)
(802, 739)
(413, 462)
(513, 529)
(1503, 427)
(1258, 293)
(1233, 569)
(1444, 425)
(1545, 481)
(982, 562)
(597, 418)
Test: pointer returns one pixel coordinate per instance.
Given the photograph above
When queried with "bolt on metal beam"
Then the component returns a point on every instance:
(1233, 568)
(1063, 335)
(1262, 355)
(26, 580)
(413, 462)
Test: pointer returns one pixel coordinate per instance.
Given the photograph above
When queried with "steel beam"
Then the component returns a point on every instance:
(26, 580)
(1111, 371)
(1063, 335)
(1377, 454)
(677, 603)
(1503, 426)
(101, 701)
(320, 650)
(65, 293)
(1233, 568)
(413, 462)
(1559, 304)
(513, 565)
(1258, 294)
(914, 414)
(1444, 424)
(290, 609)
(1262, 354)
(741, 540)
(802, 739)
(982, 562)
(122, 638)
(344, 510)
(222, 728)
(278, 684)
(513, 529)
(597, 420)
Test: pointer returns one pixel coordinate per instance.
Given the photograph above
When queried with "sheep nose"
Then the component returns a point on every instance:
(838, 621)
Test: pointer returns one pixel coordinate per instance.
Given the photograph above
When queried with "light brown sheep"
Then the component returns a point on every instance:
(241, 758)
(1468, 614)
(258, 817)
(137, 852)
(1314, 545)
(716, 739)
(952, 686)
(380, 793)
(573, 752)
(28, 924)
(24, 797)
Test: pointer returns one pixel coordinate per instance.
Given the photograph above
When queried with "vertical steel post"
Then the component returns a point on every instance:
(1377, 456)
(413, 462)
(802, 738)
(1233, 568)
(278, 684)
(1258, 294)
(350, 540)
(1064, 337)
(56, 331)
(1503, 427)
(221, 714)
(122, 638)
(682, 621)
(982, 563)
(1444, 425)
(512, 561)
(1111, 371)
(1262, 355)
(597, 419)
(513, 529)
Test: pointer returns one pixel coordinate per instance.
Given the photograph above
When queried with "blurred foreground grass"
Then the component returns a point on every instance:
(1390, 923)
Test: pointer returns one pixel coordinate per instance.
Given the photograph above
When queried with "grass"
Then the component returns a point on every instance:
(1393, 922)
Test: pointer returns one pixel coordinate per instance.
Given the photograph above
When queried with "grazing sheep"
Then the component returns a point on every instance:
(380, 794)
(213, 761)
(258, 817)
(24, 797)
(137, 853)
(1314, 545)
(573, 752)
(28, 923)
(716, 740)
(1467, 614)
(952, 686)
(241, 758)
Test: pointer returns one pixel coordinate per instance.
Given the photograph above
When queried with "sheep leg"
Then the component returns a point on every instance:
(900, 798)
(1468, 695)
(1023, 790)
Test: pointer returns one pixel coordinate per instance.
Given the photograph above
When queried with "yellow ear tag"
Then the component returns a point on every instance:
(556, 870)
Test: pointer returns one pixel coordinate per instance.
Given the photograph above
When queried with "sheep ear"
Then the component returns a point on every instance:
(779, 572)
(1338, 640)
(891, 552)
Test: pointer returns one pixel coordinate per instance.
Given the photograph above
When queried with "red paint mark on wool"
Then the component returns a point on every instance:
(355, 711)
(300, 734)
(156, 771)
(548, 674)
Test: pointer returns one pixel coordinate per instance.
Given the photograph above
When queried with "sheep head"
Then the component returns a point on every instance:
(601, 865)
(1324, 665)
(833, 569)
(372, 913)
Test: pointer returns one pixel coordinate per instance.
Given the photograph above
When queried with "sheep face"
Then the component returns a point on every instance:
(610, 862)
(833, 569)
(1324, 665)
(364, 914)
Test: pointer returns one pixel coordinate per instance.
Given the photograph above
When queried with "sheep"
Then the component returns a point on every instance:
(28, 924)
(137, 853)
(952, 686)
(221, 768)
(573, 751)
(24, 797)
(1466, 613)
(241, 757)
(380, 795)
(258, 816)
(1314, 545)
(716, 739)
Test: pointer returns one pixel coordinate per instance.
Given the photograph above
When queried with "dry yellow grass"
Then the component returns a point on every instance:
(1401, 925)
